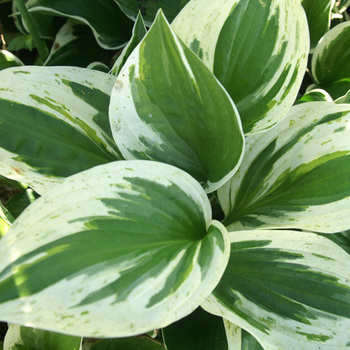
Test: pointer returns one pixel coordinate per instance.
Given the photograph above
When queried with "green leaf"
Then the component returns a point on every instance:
(319, 18)
(345, 98)
(108, 23)
(257, 49)
(149, 9)
(7, 60)
(239, 339)
(138, 32)
(296, 175)
(315, 95)
(167, 106)
(340, 238)
(289, 289)
(17, 203)
(113, 251)
(198, 331)
(25, 338)
(331, 59)
(22, 42)
(54, 123)
(134, 343)
(5, 214)
(75, 45)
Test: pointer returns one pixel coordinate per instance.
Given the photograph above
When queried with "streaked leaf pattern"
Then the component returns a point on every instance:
(54, 123)
(121, 239)
(257, 49)
(19, 337)
(110, 26)
(331, 59)
(296, 175)
(289, 289)
(167, 106)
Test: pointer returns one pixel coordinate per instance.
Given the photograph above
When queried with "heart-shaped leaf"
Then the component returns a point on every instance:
(257, 49)
(113, 251)
(167, 106)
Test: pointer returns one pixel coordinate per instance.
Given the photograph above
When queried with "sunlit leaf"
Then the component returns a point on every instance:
(296, 175)
(167, 106)
(133, 240)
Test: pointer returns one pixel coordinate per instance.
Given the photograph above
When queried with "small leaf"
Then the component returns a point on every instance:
(75, 45)
(198, 331)
(289, 289)
(167, 106)
(133, 343)
(315, 95)
(133, 240)
(138, 32)
(148, 9)
(19, 337)
(108, 23)
(54, 123)
(257, 49)
(7, 60)
(319, 18)
(296, 175)
(331, 59)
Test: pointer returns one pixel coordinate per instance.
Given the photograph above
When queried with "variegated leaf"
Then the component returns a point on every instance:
(53, 123)
(239, 339)
(108, 23)
(257, 49)
(167, 106)
(289, 289)
(331, 59)
(138, 32)
(75, 45)
(113, 251)
(296, 175)
(26, 338)
(315, 95)
(8, 59)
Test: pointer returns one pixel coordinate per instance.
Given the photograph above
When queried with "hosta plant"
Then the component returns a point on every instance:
(185, 178)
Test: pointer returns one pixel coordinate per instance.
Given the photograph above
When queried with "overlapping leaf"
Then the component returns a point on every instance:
(109, 24)
(53, 123)
(167, 106)
(296, 175)
(330, 64)
(319, 18)
(257, 49)
(149, 9)
(289, 289)
(113, 251)
(19, 337)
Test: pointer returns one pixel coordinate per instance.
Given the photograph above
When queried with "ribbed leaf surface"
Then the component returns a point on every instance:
(114, 251)
(296, 175)
(167, 106)
(257, 49)
(53, 123)
(289, 289)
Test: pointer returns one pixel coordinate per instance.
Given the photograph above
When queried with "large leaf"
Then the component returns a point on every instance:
(167, 106)
(54, 123)
(319, 18)
(257, 49)
(19, 337)
(331, 59)
(289, 289)
(109, 24)
(114, 251)
(198, 331)
(296, 175)
(149, 9)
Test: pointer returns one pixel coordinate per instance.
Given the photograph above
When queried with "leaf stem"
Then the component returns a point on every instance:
(32, 28)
